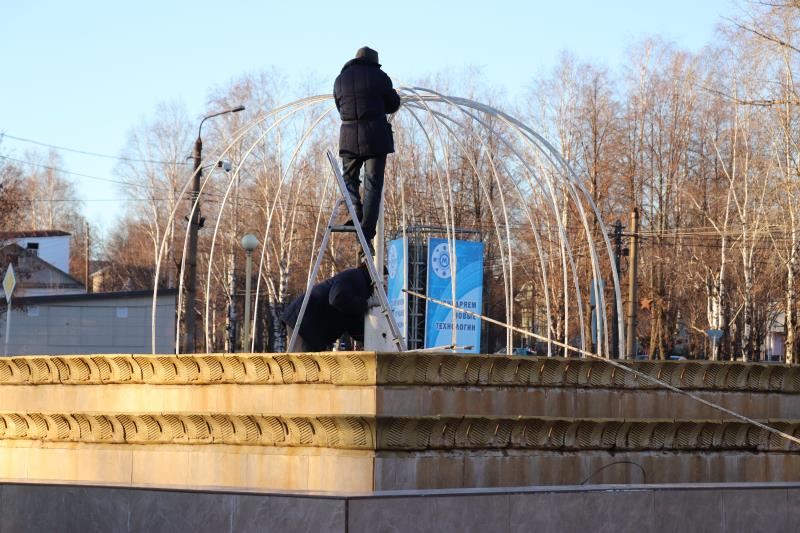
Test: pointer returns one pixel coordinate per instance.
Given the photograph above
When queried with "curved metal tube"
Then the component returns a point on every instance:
(447, 134)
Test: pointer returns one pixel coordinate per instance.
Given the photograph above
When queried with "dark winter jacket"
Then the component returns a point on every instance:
(336, 306)
(364, 95)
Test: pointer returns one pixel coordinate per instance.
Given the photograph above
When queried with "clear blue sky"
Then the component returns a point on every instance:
(80, 74)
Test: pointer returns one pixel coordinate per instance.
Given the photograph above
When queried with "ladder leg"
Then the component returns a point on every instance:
(313, 278)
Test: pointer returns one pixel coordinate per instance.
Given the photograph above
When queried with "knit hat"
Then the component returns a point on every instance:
(365, 52)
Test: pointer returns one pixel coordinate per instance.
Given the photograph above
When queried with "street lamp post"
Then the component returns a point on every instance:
(249, 243)
(195, 223)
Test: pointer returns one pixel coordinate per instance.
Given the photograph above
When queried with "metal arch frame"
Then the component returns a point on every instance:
(535, 231)
(239, 134)
(424, 100)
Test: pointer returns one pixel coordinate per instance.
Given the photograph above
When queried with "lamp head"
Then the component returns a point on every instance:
(249, 242)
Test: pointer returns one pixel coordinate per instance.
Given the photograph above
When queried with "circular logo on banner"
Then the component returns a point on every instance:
(440, 260)
(392, 261)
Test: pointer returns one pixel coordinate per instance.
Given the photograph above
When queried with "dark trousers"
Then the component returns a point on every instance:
(373, 187)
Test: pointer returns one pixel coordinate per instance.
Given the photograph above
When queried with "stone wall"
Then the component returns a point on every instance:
(365, 421)
(729, 508)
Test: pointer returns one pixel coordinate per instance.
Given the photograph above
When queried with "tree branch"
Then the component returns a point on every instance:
(758, 103)
(764, 35)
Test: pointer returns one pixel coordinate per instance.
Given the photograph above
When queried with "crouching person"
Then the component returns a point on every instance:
(335, 306)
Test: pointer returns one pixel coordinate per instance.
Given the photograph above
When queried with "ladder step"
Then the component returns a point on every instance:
(343, 229)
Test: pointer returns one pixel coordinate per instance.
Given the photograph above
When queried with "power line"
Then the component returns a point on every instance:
(254, 202)
(686, 232)
(110, 180)
(56, 169)
(71, 200)
(93, 154)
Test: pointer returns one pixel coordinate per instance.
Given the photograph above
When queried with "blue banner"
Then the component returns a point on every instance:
(396, 265)
(468, 268)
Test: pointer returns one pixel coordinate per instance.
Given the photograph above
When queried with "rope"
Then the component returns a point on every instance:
(611, 362)
(632, 463)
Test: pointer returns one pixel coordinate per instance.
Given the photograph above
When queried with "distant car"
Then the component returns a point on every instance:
(676, 358)
(520, 350)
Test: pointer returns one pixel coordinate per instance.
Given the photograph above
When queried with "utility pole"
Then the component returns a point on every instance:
(86, 257)
(615, 321)
(195, 223)
(630, 337)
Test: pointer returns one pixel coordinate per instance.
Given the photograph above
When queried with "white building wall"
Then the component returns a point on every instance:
(121, 325)
(54, 250)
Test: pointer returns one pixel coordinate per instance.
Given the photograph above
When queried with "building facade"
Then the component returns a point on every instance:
(111, 322)
(52, 246)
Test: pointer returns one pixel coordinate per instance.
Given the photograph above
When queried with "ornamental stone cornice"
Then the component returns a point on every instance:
(477, 370)
(559, 434)
(400, 434)
(351, 368)
(327, 432)
(392, 369)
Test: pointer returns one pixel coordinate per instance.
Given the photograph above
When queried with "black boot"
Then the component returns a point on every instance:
(360, 216)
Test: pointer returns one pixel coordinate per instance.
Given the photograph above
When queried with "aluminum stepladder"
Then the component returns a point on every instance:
(377, 281)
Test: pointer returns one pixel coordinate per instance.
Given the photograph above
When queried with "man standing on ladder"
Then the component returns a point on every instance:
(364, 96)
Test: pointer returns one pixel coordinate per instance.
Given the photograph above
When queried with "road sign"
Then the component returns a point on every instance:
(9, 282)
(714, 334)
